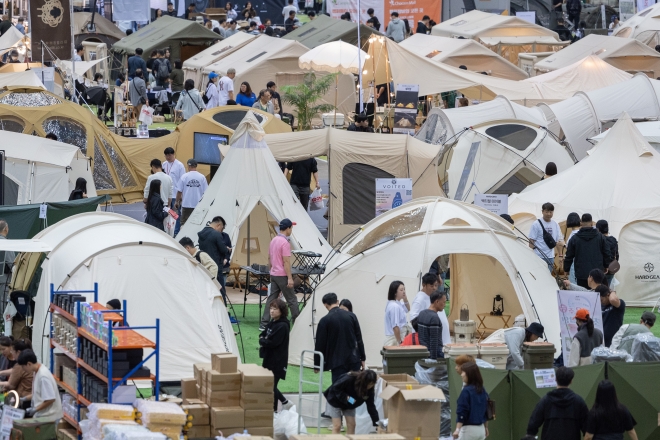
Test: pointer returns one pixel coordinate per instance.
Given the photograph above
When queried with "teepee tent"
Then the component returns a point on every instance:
(487, 259)
(259, 201)
(617, 182)
(650, 130)
(643, 26)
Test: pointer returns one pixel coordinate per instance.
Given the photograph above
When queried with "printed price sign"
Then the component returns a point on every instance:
(545, 378)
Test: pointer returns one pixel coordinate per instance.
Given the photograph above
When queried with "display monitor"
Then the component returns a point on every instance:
(206, 148)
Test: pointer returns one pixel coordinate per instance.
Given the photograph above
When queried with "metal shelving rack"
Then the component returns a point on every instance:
(130, 339)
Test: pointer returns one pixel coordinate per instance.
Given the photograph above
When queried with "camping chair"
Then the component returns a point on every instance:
(173, 101)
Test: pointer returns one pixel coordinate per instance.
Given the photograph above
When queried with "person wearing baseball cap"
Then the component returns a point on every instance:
(281, 280)
(514, 338)
(624, 338)
(189, 190)
(211, 93)
(585, 340)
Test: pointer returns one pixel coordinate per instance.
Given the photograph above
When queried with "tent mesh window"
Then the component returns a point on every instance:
(404, 223)
(517, 136)
(232, 118)
(360, 192)
(101, 173)
(67, 131)
(125, 177)
(10, 190)
(495, 225)
(37, 99)
(11, 125)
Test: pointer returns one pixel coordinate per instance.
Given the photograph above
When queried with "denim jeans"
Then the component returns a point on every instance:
(178, 220)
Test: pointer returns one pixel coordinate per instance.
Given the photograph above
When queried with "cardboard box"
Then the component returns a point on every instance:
(200, 413)
(223, 399)
(227, 417)
(193, 402)
(257, 400)
(256, 418)
(199, 431)
(415, 411)
(317, 436)
(398, 380)
(257, 380)
(198, 368)
(189, 388)
(255, 437)
(376, 437)
(224, 362)
(223, 381)
(261, 432)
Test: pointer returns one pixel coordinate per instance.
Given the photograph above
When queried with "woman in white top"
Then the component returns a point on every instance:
(190, 101)
(395, 314)
(212, 91)
(231, 12)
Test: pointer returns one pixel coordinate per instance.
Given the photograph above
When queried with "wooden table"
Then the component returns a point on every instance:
(482, 328)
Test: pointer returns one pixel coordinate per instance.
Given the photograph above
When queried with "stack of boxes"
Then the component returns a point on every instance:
(257, 399)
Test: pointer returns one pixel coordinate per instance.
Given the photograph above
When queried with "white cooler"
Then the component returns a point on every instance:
(329, 119)
(455, 350)
(495, 354)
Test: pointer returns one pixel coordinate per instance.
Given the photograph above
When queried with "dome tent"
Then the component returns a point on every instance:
(618, 182)
(643, 27)
(487, 259)
(133, 261)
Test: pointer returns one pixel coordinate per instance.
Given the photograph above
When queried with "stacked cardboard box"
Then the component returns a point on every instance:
(199, 416)
(257, 399)
(413, 410)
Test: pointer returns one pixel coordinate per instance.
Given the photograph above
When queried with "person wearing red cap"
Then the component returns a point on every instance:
(585, 340)
(281, 280)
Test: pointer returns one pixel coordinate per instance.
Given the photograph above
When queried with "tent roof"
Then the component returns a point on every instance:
(646, 21)
(23, 78)
(157, 33)
(25, 245)
(103, 25)
(37, 149)
(650, 131)
(324, 29)
(10, 39)
(478, 24)
(219, 50)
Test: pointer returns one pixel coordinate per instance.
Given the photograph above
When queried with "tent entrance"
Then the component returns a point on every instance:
(260, 228)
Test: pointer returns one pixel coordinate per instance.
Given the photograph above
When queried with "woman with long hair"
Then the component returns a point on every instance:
(472, 405)
(245, 96)
(155, 212)
(190, 101)
(346, 304)
(396, 328)
(348, 393)
(231, 12)
(274, 347)
(19, 379)
(80, 191)
(585, 340)
(608, 419)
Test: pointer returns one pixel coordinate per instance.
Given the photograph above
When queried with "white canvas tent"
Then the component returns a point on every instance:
(643, 27)
(25, 78)
(193, 67)
(486, 259)
(649, 130)
(500, 157)
(618, 182)
(159, 279)
(263, 199)
(41, 170)
(14, 39)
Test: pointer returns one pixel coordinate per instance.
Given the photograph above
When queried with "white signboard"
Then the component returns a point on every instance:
(644, 4)
(43, 210)
(569, 302)
(47, 77)
(392, 193)
(9, 414)
(626, 9)
(131, 10)
(529, 16)
(545, 378)
(495, 203)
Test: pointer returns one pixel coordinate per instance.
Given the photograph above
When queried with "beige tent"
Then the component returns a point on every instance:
(506, 35)
(192, 67)
(643, 27)
(355, 160)
(456, 52)
(106, 31)
(623, 53)
(275, 59)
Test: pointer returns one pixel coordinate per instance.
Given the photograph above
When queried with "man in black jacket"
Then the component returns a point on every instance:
(339, 338)
(212, 242)
(562, 413)
(589, 250)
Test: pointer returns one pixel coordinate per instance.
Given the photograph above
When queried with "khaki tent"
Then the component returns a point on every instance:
(504, 34)
(324, 29)
(106, 31)
(643, 27)
(193, 67)
(184, 38)
(276, 59)
(457, 52)
(356, 159)
(623, 53)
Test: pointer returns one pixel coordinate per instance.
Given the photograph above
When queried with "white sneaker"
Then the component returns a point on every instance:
(288, 405)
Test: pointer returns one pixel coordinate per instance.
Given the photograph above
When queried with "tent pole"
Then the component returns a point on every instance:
(249, 249)
(359, 46)
(334, 124)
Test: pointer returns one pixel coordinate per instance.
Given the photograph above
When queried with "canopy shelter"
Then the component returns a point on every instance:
(643, 27)
(487, 259)
(133, 261)
(253, 207)
(499, 157)
(463, 52)
(14, 39)
(617, 182)
(193, 67)
(355, 161)
(324, 29)
(623, 53)
(276, 59)
(184, 38)
(506, 35)
(26, 78)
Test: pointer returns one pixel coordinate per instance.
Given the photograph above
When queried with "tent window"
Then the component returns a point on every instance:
(307, 32)
(360, 192)
(518, 182)
(232, 118)
(518, 136)
(256, 56)
(11, 125)
(38, 99)
(67, 131)
(495, 225)
(125, 177)
(403, 224)
(101, 173)
(10, 190)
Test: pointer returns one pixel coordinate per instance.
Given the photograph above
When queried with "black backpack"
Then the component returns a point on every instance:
(163, 72)
(547, 238)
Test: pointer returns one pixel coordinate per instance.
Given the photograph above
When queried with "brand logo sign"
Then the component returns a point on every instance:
(649, 276)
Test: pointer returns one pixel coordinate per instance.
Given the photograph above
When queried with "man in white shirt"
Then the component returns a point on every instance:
(173, 168)
(46, 402)
(190, 190)
(536, 240)
(287, 8)
(226, 86)
(165, 183)
(422, 301)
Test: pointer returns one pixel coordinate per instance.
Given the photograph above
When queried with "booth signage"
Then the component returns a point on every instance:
(51, 23)
(569, 302)
(495, 203)
(405, 110)
(392, 193)
(545, 378)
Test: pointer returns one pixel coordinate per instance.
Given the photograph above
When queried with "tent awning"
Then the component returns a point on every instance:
(25, 246)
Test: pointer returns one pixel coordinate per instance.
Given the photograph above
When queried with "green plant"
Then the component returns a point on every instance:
(303, 98)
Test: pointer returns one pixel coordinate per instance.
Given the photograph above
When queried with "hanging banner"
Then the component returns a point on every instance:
(392, 193)
(131, 10)
(569, 302)
(626, 9)
(644, 4)
(405, 110)
(496, 203)
(51, 23)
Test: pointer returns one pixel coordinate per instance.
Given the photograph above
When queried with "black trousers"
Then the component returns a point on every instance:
(278, 395)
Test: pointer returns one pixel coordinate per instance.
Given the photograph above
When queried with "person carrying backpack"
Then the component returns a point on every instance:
(202, 257)
(161, 69)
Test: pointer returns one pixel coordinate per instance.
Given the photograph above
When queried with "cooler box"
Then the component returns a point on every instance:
(455, 350)
(403, 359)
(538, 355)
(33, 429)
(495, 354)
(329, 119)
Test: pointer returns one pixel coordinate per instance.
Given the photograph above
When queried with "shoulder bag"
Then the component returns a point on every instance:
(547, 238)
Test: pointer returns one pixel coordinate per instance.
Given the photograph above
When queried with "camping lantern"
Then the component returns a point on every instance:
(498, 305)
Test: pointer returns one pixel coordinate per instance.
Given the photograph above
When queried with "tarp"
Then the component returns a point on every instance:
(12, 38)
(23, 78)
(324, 29)
(81, 66)
(643, 27)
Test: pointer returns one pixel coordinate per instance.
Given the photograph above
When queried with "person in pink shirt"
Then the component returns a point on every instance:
(279, 258)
